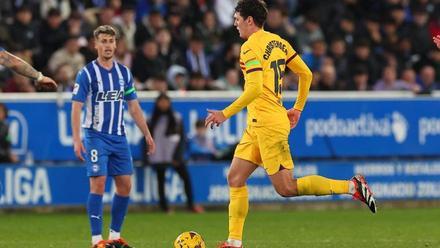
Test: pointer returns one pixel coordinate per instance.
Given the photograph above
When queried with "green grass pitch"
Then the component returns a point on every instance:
(264, 229)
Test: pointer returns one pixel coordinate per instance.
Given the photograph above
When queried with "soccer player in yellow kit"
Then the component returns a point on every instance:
(263, 59)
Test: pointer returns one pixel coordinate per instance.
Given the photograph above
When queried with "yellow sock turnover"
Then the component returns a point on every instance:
(318, 185)
(238, 209)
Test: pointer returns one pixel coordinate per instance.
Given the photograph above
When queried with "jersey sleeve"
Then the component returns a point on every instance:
(129, 90)
(253, 75)
(297, 65)
(81, 87)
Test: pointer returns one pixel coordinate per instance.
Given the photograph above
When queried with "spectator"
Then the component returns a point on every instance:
(196, 59)
(62, 5)
(277, 23)
(68, 54)
(18, 83)
(210, 32)
(55, 34)
(359, 80)
(24, 32)
(88, 51)
(225, 60)
(198, 82)
(157, 83)
(225, 10)
(231, 81)
(427, 79)
(404, 53)
(315, 58)
(148, 28)
(390, 35)
(338, 53)
(177, 76)
(408, 76)
(308, 32)
(179, 31)
(78, 27)
(389, 80)
(127, 26)
(65, 77)
(167, 52)
(106, 15)
(362, 57)
(345, 28)
(122, 54)
(420, 31)
(201, 147)
(147, 63)
(167, 130)
(6, 156)
(327, 78)
(373, 32)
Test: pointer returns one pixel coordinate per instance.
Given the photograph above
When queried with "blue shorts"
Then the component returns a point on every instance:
(107, 155)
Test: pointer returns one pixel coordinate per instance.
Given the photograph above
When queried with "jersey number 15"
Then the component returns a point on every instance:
(278, 73)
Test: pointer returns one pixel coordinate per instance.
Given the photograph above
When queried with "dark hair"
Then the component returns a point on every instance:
(200, 123)
(172, 127)
(53, 12)
(255, 8)
(104, 29)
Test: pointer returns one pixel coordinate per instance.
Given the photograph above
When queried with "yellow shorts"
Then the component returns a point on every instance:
(267, 147)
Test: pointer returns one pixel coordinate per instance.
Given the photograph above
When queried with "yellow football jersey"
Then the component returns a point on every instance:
(263, 60)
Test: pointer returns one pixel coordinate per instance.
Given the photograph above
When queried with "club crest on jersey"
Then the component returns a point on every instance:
(110, 96)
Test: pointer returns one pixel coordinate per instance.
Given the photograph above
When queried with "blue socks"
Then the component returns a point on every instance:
(94, 210)
(119, 210)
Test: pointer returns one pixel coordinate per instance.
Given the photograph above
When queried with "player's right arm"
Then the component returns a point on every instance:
(21, 67)
(79, 95)
(78, 146)
(252, 89)
(253, 81)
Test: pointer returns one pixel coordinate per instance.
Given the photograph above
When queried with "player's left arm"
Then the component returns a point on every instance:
(136, 112)
(297, 65)
(23, 68)
(253, 88)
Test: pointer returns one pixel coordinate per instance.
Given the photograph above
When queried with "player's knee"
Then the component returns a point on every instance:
(124, 189)
(235, 180)
(97, 186)
(286, 191)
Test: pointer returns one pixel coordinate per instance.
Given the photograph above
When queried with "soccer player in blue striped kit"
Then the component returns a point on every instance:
(104, 87)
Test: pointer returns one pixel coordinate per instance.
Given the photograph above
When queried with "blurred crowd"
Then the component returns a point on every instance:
(193, 45)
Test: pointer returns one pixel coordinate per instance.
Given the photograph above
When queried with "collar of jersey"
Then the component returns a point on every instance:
(256, 34)
(105, 69)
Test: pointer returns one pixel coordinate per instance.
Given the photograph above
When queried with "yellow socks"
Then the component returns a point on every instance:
(318, 185)
(238, 209)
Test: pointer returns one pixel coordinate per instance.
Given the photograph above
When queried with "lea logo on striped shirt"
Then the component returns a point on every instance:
(110, 96)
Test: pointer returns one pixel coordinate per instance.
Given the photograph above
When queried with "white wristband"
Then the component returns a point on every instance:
(40, 76)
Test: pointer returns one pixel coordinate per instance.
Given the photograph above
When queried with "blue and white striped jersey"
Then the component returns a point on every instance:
(104, 93)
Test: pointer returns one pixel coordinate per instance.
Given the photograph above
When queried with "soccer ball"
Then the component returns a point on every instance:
(189, 239)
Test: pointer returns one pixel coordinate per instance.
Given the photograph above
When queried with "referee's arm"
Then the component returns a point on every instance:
(23, 68)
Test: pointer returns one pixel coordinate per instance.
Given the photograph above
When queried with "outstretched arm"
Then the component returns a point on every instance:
(23, 68)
